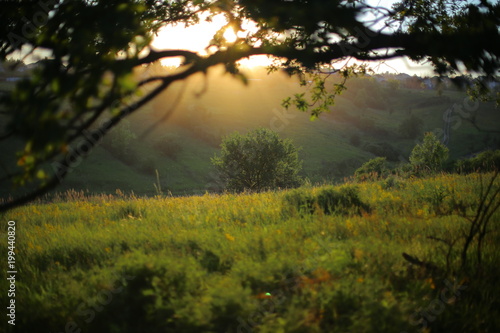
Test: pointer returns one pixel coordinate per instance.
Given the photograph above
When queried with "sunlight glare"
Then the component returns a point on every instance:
(197, 38)
(230, 36)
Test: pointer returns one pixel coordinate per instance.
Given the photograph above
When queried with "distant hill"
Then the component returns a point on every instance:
(365, 122)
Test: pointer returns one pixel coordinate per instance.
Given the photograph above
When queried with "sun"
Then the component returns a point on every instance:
(197, 37)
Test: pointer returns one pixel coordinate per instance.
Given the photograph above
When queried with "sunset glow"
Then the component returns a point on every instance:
(197, 38)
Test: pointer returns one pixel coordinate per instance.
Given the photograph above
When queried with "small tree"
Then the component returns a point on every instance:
(373, 169)
(258, 161)
(429, 155)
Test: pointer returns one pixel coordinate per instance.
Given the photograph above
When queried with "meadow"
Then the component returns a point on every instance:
(260, 262)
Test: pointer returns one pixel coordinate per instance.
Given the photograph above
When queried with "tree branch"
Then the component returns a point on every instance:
(64, 163)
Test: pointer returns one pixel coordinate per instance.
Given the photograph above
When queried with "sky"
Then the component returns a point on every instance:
(197, 37)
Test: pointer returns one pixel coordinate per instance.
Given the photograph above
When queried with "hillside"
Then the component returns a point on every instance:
(364, 123)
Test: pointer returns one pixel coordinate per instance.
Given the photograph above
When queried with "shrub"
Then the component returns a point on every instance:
(344, 200)
(429, 155)
(329, 200)
(258, 161)
(486, 161)
(392, 182)
(404, 170)
(373, 169)
(301, 199)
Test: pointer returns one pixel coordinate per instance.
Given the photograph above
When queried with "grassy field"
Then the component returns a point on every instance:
(258, 262)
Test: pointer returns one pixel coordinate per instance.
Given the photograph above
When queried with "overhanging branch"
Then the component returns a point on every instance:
(64, 164)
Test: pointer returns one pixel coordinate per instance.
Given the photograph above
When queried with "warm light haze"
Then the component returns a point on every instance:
(197, 37)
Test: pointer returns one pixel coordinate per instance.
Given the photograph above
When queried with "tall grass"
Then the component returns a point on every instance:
(255, 263)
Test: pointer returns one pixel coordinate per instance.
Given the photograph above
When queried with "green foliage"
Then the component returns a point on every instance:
(319, 97)
(405, 170)
(411, 127)
(258, 161)
(429, 155)
(301, 200)
(392, 182)
(343, 200)
(483, 162)
(329, 200)
(375, 168)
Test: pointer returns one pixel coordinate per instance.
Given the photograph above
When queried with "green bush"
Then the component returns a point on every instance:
(375, 168)
(392, 182)
(404, 170)
(330, 200)
(258, 161)
(429, 156)
(341, 201)
(300, 199)
(486, 161)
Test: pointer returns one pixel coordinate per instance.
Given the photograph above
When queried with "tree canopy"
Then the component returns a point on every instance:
(258, 161)
(428, 156)
(93, 46)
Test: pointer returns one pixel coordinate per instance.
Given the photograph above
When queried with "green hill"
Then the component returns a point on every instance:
(363, 123)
